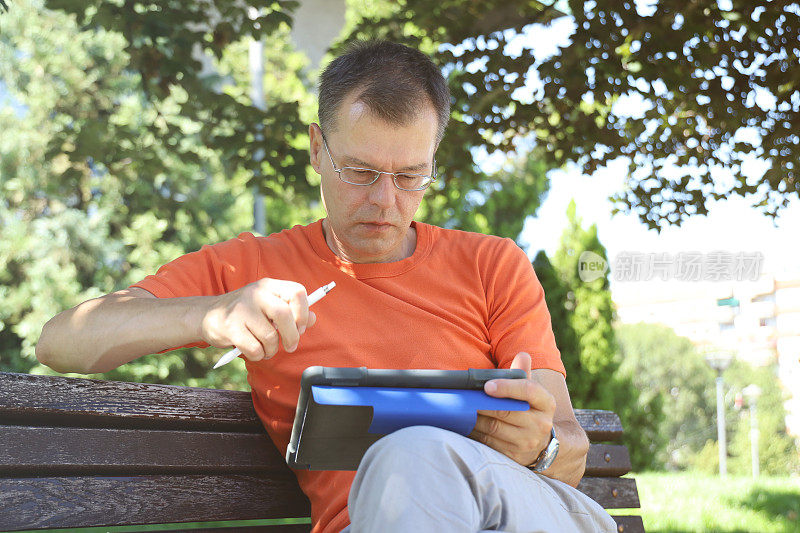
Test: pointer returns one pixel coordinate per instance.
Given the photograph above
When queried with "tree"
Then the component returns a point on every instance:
(556, 295)
(704, 69)
(778, 452)
(582, 313)
(170, 45)
(73, 227)
(497, 203)
(666, 368)
(719, 80)
(591, 310)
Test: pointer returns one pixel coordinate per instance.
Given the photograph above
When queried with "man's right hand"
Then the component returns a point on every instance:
(101, 334)
(257, 317)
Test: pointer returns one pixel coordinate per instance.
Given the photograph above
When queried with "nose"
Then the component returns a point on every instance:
(382, 192)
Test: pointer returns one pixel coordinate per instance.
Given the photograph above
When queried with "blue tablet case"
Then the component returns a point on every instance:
(341, 412)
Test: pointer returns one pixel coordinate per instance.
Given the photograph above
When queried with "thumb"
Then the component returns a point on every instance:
(523, 361)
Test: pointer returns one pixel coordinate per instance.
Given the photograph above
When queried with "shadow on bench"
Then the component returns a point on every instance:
(80, 453)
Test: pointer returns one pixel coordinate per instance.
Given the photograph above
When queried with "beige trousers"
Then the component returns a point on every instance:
(425, 479)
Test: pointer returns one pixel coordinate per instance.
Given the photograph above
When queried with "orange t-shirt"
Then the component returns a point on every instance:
(462, 300)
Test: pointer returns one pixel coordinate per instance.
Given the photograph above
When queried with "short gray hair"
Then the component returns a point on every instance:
(391, 79)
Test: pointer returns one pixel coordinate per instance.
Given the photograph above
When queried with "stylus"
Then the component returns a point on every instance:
(313, 298)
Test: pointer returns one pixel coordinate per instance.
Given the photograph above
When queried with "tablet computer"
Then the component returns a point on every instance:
(341, 412)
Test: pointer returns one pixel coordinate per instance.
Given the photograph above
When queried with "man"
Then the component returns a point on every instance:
(408, 295)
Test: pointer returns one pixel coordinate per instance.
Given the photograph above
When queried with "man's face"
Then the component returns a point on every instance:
(371, 224)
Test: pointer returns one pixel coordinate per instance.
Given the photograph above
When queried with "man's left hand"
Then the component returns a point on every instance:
(521, 435)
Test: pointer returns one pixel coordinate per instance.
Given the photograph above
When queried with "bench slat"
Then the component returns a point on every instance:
(611, 492)
(106, 501)
(81, 451)
(109, 500)
(629, 524)
(599, 425)
(60, 401)
(84, 451)
(607, 460)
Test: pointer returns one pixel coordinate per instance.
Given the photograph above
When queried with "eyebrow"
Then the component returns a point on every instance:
(354, 161)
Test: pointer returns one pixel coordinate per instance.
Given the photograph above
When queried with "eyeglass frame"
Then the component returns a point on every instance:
(394, 175)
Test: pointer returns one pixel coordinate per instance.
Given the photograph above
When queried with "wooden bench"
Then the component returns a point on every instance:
(81, 452)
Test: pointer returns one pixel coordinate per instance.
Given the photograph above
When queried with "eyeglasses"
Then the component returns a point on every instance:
(367, 176)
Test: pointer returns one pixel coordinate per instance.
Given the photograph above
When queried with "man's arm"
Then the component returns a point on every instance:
(104, 333)
(522, 435)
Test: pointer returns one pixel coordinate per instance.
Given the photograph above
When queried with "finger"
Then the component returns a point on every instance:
(502, 446)
(279, 312)
(515, 418)
(498, 428)
(522, 361)
(526, 437)
(298, 302)
(523, 389)
(265, 333)
(249, 345)
(312, 319)
(297, 298)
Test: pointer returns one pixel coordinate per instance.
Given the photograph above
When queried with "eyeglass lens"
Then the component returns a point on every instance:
(363, 176)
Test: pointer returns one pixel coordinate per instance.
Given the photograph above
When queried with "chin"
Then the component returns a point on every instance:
(373, 252)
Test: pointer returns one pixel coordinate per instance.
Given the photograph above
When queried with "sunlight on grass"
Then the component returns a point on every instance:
(687, 502)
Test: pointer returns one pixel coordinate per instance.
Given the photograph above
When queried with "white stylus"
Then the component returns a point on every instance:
(313, 298)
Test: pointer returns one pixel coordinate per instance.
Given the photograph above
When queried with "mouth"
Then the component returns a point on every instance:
(376, 223)
(377, 226)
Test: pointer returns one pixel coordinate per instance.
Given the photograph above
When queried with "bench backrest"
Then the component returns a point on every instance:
(80, 452)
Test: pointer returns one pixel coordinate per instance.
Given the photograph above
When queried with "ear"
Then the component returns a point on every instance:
(315, 147)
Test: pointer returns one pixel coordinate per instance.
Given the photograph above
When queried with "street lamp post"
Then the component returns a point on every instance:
(719, 361)
(256, 56)
(752, 392)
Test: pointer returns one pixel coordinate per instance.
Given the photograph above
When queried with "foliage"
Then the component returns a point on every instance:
(556, 294)
(92, 200)
(778, 454)
(499, 202)
(705, 71)
(174, 47)
(582, 313)
(669, 369)
(590, 312)
(718, 81)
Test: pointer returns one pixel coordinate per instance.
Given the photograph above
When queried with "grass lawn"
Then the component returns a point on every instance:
(689, 502)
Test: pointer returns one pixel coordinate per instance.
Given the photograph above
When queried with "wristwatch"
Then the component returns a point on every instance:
(547, 456)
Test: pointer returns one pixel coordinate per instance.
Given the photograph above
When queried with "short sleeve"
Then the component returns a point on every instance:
(519, 320)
